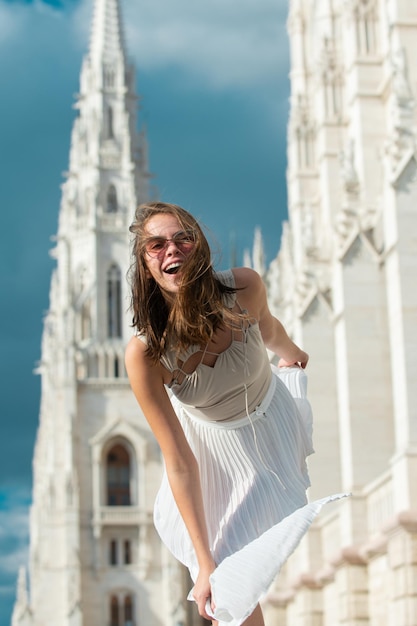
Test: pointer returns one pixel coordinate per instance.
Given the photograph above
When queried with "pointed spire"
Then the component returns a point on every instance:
(107, 40)
(21, 612)
(258, 253)
(247, 260)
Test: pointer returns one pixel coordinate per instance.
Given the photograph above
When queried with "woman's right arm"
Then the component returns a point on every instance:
(147, 382)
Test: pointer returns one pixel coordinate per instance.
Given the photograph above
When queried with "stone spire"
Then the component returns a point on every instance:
(107, 40)
(84, 387)
(258, 253)
(22, 615)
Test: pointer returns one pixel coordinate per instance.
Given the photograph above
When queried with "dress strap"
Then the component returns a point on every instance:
(241, 309)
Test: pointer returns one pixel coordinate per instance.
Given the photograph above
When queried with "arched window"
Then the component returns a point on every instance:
(114, 302)
(114, 611)
(109, 123)
(366, 20)
(113, 552)
(303, 127)
(109, 76)
(306, 146)
(112, 200)
(127, 552)
(121, 609)
(128, 611)
(118, 476)
(116, 368)
(120, 552)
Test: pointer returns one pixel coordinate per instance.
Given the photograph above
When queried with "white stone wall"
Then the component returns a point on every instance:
(342, 282)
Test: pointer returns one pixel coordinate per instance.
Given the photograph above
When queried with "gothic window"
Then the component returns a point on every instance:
(305, 147)
(128, 611)
(303, 130)
(332, 95)
(127, 552)
(118, 476)
(113, 552)
(116, 368)
(114, 302)
(332, 77)
(121, 610)
(109, 131)
(365, 19)
(112, 200)
(114, 611)
(109, 76)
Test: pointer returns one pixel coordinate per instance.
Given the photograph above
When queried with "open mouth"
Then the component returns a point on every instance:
(173, 268)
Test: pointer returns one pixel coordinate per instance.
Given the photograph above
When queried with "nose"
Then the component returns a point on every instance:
(171, 246)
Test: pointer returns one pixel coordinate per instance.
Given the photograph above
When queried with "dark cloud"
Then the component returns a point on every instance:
(56, 4)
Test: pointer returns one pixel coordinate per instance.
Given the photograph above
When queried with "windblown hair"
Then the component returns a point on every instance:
(197, 309)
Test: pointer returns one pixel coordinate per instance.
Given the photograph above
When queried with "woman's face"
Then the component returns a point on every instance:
(165, 247)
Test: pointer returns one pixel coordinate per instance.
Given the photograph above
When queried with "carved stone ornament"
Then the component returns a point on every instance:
(348, 171)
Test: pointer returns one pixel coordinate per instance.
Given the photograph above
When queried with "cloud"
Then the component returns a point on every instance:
(16, 19)
(218, 45)
(221, 44)
(12, 21)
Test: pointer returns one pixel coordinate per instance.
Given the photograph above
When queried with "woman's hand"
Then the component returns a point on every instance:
(202, 592)
(300, 361)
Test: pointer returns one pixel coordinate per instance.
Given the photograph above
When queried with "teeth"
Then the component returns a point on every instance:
(170, 269)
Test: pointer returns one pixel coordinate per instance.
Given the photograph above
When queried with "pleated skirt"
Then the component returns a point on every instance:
(253, 473)
(253, 476)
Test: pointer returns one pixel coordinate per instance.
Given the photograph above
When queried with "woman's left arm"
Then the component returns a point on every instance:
(253, 297)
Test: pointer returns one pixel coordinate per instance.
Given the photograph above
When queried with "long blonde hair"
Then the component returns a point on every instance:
(199, 306)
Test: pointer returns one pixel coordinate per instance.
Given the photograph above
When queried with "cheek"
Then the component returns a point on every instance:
(149, 272)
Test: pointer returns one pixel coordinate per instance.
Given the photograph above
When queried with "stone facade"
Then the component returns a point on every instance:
(344, 284)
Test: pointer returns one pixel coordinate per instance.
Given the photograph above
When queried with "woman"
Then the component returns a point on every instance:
(233, 442)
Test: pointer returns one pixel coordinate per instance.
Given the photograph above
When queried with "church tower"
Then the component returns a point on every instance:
(343, 282)
(94, 554)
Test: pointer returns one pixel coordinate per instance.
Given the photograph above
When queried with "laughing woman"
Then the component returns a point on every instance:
(233, 438)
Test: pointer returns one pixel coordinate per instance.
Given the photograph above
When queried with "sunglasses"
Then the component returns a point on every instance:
(155, 246)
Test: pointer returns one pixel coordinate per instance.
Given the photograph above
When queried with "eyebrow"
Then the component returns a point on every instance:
(179, 232)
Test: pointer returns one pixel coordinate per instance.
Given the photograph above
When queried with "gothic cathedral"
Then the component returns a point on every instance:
(344, 284)
(95, 557)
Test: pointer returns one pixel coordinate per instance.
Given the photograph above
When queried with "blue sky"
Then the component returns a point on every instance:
(213, 77)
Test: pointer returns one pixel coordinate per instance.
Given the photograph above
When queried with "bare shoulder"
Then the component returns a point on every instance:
(140, 368)
(136, 357)
(248, 280)
(135, 350)
(251, 290)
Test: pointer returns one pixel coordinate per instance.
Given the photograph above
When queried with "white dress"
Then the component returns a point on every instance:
(251, 453)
